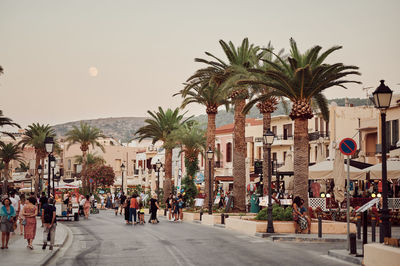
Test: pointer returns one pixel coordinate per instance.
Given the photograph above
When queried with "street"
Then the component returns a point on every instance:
(104, 239)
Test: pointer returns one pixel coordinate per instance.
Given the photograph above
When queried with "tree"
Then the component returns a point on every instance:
(302, 78)
(192, 139)
(35, 136)
(5, 121)
(9, 152)
(244, 56)
(102, 175)
(91, 159)
(158, 128)
(204, 87)
(262, 96)
(86, 136)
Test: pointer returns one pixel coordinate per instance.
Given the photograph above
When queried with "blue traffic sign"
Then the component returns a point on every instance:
(348, 146)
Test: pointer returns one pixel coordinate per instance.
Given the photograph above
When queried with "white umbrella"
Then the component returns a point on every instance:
(324, 170)
(393, 170)
(288, 167)
(338, 176)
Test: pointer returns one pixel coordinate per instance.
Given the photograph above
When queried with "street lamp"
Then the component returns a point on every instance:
(382, 97)
(122, 180)
(53, 165)
(268, 139)
(49, 145)
(158, 167)
(39, 170)
(210, 156)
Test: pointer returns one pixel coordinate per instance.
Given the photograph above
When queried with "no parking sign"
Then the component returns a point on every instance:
(348, 146)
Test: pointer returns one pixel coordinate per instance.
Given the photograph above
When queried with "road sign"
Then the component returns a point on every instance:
(91, 180)
(348, 146)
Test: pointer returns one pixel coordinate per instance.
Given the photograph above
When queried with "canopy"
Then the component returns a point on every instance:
(393, 170)
(129, 181)
(324, 170)
(159, 156)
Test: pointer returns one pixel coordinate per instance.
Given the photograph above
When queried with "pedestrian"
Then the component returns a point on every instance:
(7, 214)
(304, 212)
(122, 201)
(141, 213)
(153, 208)
(20, 216)
(116, 205)
(15, 203)
(81, 203)
(29, 212)
(50, 223)
(300, 223)
(126, 209)
(101, 202)
(108, 201)
(175, 205)
(168, 205)
(180, 205)
(86, 207)
(132, 208)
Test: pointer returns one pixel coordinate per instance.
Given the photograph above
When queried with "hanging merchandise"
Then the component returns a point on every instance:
(380, 186)
(351, 185)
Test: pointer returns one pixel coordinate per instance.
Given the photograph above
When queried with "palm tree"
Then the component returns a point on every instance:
(86, 136)
(302, 78)
(158, 128)
(35, 136)
(203, 89)
(9, 152)
(261, 95)
(243, 57)
(5, 121)
(91, 159)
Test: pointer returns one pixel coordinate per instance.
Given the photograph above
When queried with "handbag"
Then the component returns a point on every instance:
(23, 222)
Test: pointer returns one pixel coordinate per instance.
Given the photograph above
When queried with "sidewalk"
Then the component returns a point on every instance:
(18, 254)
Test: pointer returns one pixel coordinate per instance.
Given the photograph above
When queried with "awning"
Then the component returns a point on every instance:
(324, 170)
(393, 170)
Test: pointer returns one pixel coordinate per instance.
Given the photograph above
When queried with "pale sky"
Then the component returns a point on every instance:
(70, 60)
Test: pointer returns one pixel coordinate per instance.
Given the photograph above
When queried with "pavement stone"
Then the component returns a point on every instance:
(18, 254)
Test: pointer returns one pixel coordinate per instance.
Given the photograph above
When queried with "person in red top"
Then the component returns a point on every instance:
(132, 209)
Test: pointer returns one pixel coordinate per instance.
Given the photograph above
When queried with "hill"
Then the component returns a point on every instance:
(123, 128)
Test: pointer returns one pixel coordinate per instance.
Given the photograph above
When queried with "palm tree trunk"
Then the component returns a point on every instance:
(5, 184)
(83, 177)
(168, 174)
(239, 157)
(266, 164)
(210, 144)
(301, 159)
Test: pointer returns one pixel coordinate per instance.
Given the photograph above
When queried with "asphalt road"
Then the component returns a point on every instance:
(105, 239)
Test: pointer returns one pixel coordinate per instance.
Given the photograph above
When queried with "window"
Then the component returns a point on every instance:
(327, 128)
(274, 130)
(388, 135)
(284, 156)
(287, 131)
(259, 149)
(69, 164)
(229, 152)
(321, 124)
(327, 151)
(316, 124)
(274, 156)
(218, 152)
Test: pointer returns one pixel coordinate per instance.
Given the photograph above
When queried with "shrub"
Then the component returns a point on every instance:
(278, 213)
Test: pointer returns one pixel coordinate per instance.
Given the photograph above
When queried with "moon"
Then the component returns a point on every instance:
(93, 71)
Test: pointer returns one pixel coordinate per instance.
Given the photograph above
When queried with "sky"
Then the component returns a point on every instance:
(71, 60)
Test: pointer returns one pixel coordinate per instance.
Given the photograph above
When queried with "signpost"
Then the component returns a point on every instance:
(348, 147)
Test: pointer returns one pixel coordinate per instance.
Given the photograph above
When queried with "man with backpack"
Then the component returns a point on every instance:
(50, 223)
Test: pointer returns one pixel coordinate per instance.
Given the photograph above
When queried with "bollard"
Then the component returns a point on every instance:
(319, 226)
(373, 225)
(222, 218)
(165, 211)
(76, 217)
(365, 229)
(353, 244)
(358, 225)
(381, 235)
(201, 214)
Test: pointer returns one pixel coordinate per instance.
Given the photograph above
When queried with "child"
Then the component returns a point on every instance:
(141, 213)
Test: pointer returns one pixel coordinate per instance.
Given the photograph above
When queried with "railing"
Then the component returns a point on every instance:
(328, 203)
(318, 134)
(218, 164)
(284, 137)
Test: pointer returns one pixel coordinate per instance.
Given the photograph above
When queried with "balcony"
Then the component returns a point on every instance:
(283, 140)
(218, 164)
(318, 134)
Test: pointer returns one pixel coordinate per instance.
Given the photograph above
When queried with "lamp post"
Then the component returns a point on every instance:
(122, 180)
(158, 167)
(39, 170)
(210, 156)
(268, 139)
(49, 145)
(53, 165)
(382, 97)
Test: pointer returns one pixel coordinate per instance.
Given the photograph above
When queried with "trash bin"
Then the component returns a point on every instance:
(254, 204)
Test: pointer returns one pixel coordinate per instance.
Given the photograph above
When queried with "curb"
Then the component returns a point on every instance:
(283, 237)
(219, 225)
(51, 255)
(344, 256)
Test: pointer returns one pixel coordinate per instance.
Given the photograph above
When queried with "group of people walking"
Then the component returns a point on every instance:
(20, 210)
